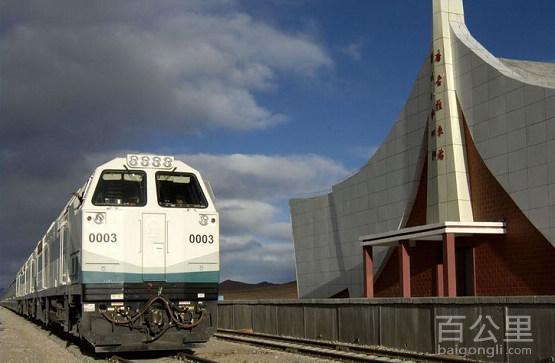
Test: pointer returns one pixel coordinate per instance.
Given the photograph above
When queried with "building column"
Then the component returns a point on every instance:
(449, 267)
(368, 264)
(404, 268)
(439, 280)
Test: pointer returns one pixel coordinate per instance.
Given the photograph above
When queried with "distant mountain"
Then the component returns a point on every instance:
(236, 290)
(232, 284)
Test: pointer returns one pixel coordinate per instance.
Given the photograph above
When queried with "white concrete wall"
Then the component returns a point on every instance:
(376, 199)
(510, 110)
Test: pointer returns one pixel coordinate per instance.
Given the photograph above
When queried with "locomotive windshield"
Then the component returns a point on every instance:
(121, 188)
(179, 190)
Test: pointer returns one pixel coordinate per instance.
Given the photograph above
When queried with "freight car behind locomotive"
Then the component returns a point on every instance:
(131, 262)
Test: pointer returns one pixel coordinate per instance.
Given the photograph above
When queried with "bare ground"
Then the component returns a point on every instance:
(24, 341)
(244, 291)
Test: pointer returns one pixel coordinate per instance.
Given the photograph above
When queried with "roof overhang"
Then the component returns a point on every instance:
(433, 232)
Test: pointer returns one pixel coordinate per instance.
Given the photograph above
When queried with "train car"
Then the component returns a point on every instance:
(132, 261)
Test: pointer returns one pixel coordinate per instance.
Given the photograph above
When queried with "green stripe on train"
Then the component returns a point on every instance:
(90, 277)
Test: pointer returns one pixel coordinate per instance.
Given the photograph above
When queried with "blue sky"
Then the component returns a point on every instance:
(270, 99)
(349, 107)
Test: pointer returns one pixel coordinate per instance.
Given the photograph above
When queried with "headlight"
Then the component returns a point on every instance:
(203, 221)
(99, 218)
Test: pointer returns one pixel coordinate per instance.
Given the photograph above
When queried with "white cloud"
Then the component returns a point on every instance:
(188, 69)
(247, 259)
(353, 50)
(265, 177)
(85, 78)
(364, 152)
(252, 193)
(252, 216)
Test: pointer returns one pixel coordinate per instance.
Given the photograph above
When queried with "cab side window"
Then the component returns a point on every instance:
(121, 188)
(179, 190)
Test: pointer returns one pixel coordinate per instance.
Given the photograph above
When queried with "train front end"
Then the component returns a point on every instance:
(150, 256)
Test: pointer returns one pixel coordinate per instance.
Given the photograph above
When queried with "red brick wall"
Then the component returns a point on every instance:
(387, 284)
(520, 263)
(424, 255)
(417, 215)
(424, 258)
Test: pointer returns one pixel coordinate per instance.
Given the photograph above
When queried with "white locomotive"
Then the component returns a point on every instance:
(132, 261)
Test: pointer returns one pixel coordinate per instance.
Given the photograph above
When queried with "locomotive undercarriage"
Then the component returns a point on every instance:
(129, 316)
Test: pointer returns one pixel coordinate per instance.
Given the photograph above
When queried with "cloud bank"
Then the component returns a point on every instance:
(251, 195)
(81, 81)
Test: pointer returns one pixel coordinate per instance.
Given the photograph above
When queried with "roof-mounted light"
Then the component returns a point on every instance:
(142, 161)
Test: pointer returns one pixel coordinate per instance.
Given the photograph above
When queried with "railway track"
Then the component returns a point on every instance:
(333, 350)
(191, 357)
(118, 359)
(180, 356)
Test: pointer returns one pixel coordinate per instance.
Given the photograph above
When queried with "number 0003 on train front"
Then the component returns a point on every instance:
(132, 262)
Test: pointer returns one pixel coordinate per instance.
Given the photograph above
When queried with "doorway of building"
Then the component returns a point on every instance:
(465, 271)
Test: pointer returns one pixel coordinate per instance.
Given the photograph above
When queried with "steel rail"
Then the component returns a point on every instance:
(118, 359)
(181, 356)
(343, 351)
(191, 357)
(301, 347)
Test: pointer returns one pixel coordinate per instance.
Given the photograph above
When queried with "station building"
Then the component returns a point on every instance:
(459, 199)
